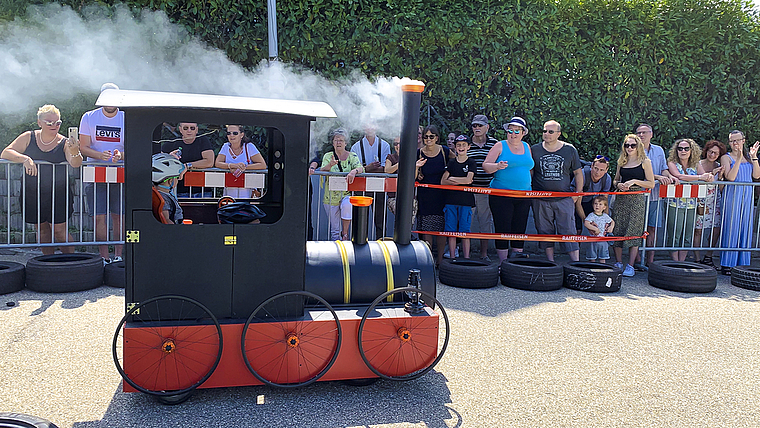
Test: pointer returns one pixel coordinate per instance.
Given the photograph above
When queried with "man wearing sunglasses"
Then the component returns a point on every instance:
(556, 163)
(482, 143)
(101, 138)
(193, 151)
(595, 179)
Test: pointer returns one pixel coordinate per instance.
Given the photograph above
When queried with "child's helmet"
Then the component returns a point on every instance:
(166, 166)
(239, 213)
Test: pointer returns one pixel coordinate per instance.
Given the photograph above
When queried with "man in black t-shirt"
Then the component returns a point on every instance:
(556, 164)
(457, 212)
(195, 152)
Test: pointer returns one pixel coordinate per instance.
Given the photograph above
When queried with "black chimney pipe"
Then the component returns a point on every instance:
(412, 98)
(360, 214)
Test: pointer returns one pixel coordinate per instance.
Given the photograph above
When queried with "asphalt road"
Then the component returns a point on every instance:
(641, 357)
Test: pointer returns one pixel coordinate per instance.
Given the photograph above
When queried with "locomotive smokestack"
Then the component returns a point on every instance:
(360, 213)
(410, 121)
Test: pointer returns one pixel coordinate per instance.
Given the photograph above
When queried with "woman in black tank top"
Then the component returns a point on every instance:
(47, 180)
(634, 172)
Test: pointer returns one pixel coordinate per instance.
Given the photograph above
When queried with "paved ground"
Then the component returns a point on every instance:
(640, 357)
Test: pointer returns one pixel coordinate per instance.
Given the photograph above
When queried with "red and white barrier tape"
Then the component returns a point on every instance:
(223, 179)
(523, 193)
(102, 174)
(526, 237)
(361, 184)
(683, 191)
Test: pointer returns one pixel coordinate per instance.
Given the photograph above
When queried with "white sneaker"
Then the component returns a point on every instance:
(629, 271)
(446, 254)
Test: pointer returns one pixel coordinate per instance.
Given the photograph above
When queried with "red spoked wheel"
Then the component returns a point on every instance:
(292, 339)
(405, 338)
(167, 346)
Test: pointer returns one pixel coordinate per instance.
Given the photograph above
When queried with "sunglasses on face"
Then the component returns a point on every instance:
(54, 123)
(191, 128)
(476, 125)
(233, 132)
(683, 149)
(549, 131)
(600, 157)
(430, 137)
(513, 131)
(630, 146)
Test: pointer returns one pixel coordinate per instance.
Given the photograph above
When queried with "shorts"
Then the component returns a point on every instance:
(555, 216)
(656, 213)
(106, 195)
(598, 250)
(483, 214)
(457, 218)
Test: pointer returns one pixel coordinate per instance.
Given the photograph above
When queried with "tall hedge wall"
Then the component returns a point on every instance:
(598, 67)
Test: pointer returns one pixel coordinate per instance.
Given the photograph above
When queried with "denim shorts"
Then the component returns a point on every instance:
(457, 218)
(598, 250)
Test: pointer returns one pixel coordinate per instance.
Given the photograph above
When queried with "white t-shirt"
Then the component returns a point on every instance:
(370, 151)
(106, 133)
(600, 221)
(229, 157)
(226, 150)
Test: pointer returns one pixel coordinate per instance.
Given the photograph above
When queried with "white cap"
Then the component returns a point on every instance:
(108, 85)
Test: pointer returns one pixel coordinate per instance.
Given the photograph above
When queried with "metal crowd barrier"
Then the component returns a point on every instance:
(697, 195)
(376, 183)
(80, 221)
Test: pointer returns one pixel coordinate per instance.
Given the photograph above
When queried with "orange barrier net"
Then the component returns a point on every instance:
(526, 237)
(522, 193)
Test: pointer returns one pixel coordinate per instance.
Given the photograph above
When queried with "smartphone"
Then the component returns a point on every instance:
(73, 133)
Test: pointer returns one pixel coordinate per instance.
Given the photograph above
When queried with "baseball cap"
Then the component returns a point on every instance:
(480, 119)
(462, 138)
(108, 85)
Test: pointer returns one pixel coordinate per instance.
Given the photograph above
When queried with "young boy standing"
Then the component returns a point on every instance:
(599, 224)
(457, 212)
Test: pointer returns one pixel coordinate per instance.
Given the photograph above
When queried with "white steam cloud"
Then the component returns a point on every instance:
(56, 53)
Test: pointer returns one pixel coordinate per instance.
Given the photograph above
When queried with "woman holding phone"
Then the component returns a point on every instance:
(46, 144)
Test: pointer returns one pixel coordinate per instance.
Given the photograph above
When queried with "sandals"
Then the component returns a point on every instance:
(708, 261)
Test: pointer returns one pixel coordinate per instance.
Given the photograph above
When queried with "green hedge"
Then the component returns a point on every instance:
(598, 67)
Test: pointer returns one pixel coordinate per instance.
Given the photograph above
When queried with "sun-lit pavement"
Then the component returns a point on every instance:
(639, 357)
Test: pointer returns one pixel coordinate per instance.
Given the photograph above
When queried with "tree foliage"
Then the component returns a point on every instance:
(596, 66)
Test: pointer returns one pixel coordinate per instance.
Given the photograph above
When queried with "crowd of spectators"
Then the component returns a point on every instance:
(723, 217)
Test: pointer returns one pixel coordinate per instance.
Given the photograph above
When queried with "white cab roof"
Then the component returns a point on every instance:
(124, 98)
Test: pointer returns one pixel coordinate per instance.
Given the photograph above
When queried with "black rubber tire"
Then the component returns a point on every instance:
(593, 277)
(18, 420)
(466, 273)
(173, 400)
(115, 275)
(63, 273)
(746, 277)
(361, 382)
(684, 277)
(12, 277)
(532, 274)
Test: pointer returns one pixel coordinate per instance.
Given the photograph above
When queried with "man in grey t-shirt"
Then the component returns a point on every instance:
(556, 163)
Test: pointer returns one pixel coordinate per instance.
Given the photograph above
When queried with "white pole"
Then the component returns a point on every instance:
(272, 27)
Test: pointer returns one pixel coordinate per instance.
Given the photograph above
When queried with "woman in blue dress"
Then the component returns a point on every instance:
(738, 201)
